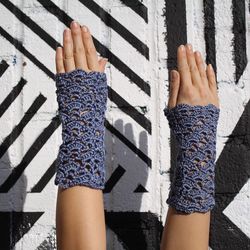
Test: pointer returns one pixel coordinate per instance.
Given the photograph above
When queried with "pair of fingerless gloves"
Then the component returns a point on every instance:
(82, 101)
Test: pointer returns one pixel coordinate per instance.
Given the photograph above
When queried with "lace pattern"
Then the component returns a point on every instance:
(82, 101)
(195, 128)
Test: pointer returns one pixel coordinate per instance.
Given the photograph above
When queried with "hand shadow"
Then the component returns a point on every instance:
(126, 182)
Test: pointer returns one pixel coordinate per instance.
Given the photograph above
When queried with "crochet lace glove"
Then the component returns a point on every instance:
(82, 101)
(193, 188)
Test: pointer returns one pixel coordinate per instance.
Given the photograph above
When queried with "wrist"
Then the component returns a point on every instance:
(82, 101)
(195, 130)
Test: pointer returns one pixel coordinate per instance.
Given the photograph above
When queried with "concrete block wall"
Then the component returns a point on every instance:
(140, 39)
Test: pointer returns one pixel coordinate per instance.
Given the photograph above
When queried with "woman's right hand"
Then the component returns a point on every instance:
(193, 83)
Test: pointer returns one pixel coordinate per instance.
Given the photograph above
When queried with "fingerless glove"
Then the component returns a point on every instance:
(194, 127)
(82, 100)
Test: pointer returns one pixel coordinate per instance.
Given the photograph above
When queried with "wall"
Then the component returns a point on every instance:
(140, 40)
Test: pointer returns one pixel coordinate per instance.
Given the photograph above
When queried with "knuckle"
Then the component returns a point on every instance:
(91, 50)
(203, 75)
(78, 50)
(67, 40)
(183, 68)
(76, 32)
(201, 66)
(212, 82)
(68, 56)
(193, 68)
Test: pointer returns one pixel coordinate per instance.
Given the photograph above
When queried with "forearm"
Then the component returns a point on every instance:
(186, 231)
(80, 219)
(192, 112)
(191, 195)
(80, 171)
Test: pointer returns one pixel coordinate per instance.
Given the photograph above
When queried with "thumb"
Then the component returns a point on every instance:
(174, 88)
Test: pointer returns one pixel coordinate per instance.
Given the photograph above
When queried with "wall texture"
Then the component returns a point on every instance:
(140, 39)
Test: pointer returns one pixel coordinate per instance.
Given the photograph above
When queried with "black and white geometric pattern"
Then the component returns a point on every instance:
(140, 39)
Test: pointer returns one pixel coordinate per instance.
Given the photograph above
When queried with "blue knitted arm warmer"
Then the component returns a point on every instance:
(82, 101)
(194, 127)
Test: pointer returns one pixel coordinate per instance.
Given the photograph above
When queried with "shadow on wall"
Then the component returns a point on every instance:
(123, 203)
(13, 222)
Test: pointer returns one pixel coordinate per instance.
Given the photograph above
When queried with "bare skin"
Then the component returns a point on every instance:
(194, 84)
(80, 221)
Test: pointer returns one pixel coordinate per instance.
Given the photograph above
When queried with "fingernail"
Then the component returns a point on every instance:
(67, 32)
(75, 24)
(85, 29)
(198, 53)
(182, 47)
(190, 47)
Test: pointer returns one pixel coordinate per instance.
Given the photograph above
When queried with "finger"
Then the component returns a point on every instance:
(183, 68)
(201, 66)
(59, 60)
(68, 56)
(102, 63)
(174, 88)
(78, 50)
(211, 78)
(195, 75)
(91, 54)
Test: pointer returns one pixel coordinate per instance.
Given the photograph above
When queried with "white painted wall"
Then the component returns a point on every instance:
(233, 99)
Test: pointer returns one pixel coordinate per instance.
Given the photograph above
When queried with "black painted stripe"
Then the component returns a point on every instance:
(15, 225)
(118, 27)
(138, 7)
(105, 52)
(176, 34)
(12, 95)
(239, 40)
(113, 179)
(30, 23)
(175, 20)
(3, 67)
(41, 184)
(129, 144)
(18, 45)
(19, 128)
(129, 110)
(224, 234)
(137, 230)
(29, 156)
(233, 162)
(232, 172)
(209, 32)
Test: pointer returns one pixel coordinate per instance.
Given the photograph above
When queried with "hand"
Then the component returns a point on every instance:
(192, 83)
(78, 51)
